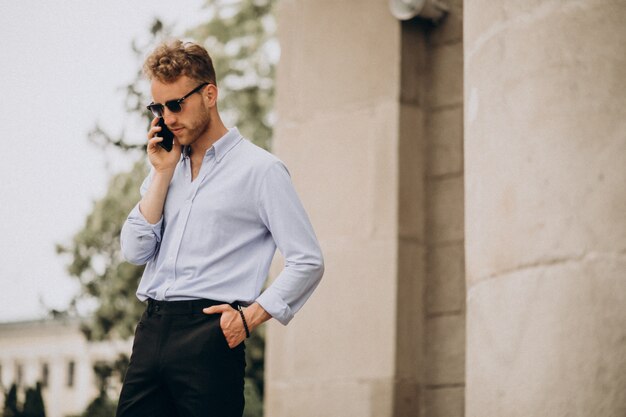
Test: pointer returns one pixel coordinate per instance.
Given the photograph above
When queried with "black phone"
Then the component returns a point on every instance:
(166, 134)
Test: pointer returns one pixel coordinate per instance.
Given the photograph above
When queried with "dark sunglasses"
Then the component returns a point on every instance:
(174, 106)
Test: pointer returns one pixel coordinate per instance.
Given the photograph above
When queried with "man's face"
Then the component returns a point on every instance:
(193, 121)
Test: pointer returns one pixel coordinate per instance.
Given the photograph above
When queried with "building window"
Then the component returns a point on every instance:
(71, 370)
(45, 374)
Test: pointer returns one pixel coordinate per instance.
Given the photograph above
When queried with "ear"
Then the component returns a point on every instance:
(210, 93)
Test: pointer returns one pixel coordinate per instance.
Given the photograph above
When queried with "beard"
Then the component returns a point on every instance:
(194, 132)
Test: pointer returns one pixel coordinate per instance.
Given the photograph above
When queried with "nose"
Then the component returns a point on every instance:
(169, 117)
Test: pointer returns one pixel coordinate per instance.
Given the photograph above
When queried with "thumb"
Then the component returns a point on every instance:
(216, 309)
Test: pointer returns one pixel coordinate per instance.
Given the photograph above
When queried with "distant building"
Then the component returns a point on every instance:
(55, 353)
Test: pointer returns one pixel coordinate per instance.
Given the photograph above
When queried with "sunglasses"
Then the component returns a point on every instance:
(175, 106)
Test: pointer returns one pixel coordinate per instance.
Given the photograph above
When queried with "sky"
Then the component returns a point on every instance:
(63, 63)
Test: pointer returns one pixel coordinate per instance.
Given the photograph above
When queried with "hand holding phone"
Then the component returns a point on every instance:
(166, 134)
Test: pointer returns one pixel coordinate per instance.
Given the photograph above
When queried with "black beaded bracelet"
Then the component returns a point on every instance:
(245, 323)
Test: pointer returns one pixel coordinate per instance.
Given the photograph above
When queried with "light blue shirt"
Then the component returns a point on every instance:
(218, 233)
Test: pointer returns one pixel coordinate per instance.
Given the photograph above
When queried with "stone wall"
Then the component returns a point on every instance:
(444, 308)
(467, 185)
(545, 153)
(338, 111)
(370, 125)
(432, 92)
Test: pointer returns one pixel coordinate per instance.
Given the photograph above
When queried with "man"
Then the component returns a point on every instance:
(212, 213)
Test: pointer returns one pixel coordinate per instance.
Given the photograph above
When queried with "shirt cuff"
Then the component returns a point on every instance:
(143, 225)
(275, 306)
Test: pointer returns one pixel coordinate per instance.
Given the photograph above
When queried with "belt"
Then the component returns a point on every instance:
(183, 307)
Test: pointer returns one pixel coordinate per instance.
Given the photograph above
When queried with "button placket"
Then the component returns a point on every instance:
(184, 213)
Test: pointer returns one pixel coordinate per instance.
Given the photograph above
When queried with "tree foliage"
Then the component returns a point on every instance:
(98, 264)
(11, 406)
(33, 403)
(102, 405)
(240, 36)
(242, 41)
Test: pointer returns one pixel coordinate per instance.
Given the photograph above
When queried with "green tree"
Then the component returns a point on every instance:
(102, 405)
(33, 404)
(11, 406)
(241, 39)
(240, 36)
(96, 261)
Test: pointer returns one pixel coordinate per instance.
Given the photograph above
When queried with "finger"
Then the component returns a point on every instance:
(233, 344)
(233, 340)
(154, 131)
(153, 142)
(216, 309)
(154, 127)
(152, 135)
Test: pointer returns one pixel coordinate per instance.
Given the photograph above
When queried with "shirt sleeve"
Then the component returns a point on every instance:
(284, 216)
(140, 239)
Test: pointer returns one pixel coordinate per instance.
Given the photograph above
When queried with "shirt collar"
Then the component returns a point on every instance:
(221, 146)
(227, 142)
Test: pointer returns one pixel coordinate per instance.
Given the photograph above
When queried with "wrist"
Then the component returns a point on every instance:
(162, 178)
(165, 173)
(244, 321)
(256, 315)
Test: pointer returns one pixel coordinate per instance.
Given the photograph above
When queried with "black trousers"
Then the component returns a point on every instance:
(181, 365)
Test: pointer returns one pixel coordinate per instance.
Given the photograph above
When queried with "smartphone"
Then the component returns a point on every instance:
(166, 134)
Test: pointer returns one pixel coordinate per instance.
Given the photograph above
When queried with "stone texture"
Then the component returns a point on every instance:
(545, 161)
(445, 210)
(354, 95)
(329, 398)
(407, 398)
(344, 166)
(450, 28)
(410, 311)
(335, 55)
(444, 402)
(338, 130)
(332, 334)
(444, 133)
(548, 155)
(445, 350)
(445, 84)
(414, 67)
(411, 161)
(549, 341)
(445, 285)
(444, 338)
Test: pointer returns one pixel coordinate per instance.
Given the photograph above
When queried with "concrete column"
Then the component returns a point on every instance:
(338, 132)
(545, 170)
